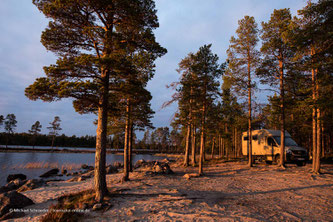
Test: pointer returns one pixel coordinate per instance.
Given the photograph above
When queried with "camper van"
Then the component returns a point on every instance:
(266, 145)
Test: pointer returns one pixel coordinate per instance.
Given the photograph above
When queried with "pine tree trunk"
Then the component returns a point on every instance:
(126, 143)
(130, 148)
(101, 140)
(213, 146)
(193, 144)
(202, 141)
(219, 145)
(314, 122)
(187, 145)
(282, 119)
(250, 164)
(318, 146)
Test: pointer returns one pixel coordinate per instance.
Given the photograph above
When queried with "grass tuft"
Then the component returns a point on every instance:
(68, 205)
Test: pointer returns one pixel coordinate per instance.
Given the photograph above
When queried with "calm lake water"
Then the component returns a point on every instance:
(34, 164)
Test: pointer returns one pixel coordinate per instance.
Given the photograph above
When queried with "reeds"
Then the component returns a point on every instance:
(47, 165)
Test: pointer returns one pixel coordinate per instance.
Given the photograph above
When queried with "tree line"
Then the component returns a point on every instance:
(34, 138)
(294, 61)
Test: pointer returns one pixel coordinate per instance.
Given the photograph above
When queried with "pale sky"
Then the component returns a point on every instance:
(185, 25)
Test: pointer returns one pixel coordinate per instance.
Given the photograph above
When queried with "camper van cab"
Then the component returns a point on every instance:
(266, 145)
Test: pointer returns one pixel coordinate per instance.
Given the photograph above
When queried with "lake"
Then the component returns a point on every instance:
(33, 164)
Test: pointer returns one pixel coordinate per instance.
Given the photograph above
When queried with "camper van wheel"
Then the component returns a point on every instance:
(277, 159)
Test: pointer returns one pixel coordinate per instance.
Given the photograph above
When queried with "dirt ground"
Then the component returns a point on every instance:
(228, 191)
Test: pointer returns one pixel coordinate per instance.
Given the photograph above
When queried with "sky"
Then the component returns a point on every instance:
(185, 25)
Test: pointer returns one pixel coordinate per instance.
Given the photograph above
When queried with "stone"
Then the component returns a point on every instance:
(97, 206)
(86, 167)
(118, 164)
(12, 185)
(111, 169)
(190, 175)
(32, 184)
(16, 176)
(50, 173)
(13, 200)
(158, 169)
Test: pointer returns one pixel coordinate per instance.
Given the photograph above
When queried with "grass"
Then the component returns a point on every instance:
(70, 207)
(42, 165)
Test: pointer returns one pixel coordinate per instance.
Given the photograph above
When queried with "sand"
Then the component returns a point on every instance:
(228, 191)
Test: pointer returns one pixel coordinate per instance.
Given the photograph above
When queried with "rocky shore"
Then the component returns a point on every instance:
(228, 191)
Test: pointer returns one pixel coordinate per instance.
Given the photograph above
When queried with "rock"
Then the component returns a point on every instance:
(111, 169)
(162, 168)
(97, 206)
(118, 164)
(86, 167)
(63, 171)
(12, 185)
(13, 200)
(50, 173)
(158, 169)
(140, 163)
(190, 175)
(32, 184)
(16, 176)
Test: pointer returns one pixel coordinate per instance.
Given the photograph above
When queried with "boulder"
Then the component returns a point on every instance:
(16, 176)
(32, 184)
(140, 163)
(50, 173)
(118, 164)
(12, 185)
(158, 169)
(13, 200)
(86, 167)
(111, 169)
(162, 168)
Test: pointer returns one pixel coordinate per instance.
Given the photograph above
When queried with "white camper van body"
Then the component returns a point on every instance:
(266, 144)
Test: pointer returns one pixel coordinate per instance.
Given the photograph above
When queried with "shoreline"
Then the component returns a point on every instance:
(55, 150)
(227, 191)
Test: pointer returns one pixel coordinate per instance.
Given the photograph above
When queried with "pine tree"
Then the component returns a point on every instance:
(10, 125)
(243, 58)
(54, 128)
(93, 40)
(34, 131)
(277, 61)
(313, 39)
(207, 71)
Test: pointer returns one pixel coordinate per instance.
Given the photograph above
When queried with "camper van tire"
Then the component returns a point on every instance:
(277, 159)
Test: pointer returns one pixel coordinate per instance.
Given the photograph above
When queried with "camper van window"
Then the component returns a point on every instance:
(246, 138)
(271, 141)
(288, 141)
(255, 137)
